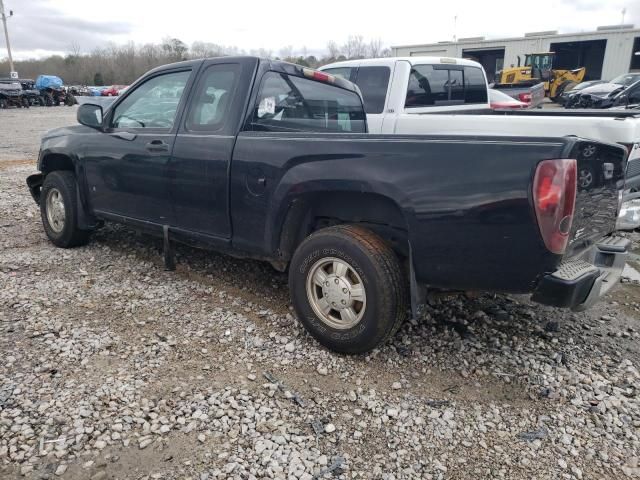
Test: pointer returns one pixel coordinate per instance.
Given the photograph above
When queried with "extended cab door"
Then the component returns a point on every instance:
(199, 166)
(126, 163)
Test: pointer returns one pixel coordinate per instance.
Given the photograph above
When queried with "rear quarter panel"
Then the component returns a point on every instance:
(465, 201)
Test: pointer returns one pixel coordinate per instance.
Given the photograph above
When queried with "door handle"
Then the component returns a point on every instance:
(157, 146)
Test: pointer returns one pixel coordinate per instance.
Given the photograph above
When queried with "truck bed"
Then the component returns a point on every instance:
(464, 200)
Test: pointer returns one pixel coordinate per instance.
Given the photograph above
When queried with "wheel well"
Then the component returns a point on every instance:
(315, 211)
(56, 161)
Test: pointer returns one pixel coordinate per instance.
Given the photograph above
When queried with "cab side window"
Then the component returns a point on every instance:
(434, 85)
(153, 104)
(296, 104)
(212, 98)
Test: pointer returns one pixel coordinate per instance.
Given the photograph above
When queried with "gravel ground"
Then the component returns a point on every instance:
(114, 368)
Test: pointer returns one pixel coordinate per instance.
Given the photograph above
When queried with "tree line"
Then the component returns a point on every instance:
(122, 64)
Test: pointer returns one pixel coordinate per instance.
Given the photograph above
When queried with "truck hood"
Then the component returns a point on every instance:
(64, 131)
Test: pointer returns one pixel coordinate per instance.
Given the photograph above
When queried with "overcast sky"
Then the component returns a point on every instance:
(41, 27)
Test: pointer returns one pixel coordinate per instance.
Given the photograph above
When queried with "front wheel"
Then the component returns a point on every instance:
(59, 210)
(347, 288)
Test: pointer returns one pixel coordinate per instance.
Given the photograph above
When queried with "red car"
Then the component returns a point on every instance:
(112, 91)
(502, 100)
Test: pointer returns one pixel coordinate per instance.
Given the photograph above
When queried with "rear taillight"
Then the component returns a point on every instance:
(554, 199)
(524, 97)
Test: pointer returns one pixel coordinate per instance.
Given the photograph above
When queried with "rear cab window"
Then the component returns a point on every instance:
(439, 85)
(296, 104)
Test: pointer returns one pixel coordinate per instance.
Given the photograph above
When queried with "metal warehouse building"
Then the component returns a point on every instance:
(606, 53)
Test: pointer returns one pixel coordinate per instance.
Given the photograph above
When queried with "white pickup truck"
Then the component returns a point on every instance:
(431, 95)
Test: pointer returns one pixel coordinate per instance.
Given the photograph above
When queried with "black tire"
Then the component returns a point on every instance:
(25, 102)
(41, 101)
(380, 274)
(63, 182)
(48, 99)
(3, 103)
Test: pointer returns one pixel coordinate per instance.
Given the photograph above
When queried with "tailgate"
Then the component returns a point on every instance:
(537, 95)
(601, 172)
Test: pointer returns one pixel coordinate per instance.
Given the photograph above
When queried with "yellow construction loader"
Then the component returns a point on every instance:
(538, 67)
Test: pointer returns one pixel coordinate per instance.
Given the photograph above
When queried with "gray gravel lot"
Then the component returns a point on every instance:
(114, 368)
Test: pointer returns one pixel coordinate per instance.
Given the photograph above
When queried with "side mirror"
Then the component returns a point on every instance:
(90, 115)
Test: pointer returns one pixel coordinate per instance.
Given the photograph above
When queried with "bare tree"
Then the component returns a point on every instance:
(175, 48)
(333, 49)
(286, 53)
(261, 52)
(123, 63)
(374, 49)
(355, 47)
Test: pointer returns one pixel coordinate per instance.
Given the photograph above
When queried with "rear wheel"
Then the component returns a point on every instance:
(347, 288)
(59, 210)
(48, 99)
(41, 100)
(25, 102)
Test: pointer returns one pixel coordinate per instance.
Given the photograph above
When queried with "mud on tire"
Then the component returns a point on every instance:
(59, 210)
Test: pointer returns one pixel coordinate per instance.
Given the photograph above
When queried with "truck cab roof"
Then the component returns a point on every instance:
(389, 61)
(267, 64)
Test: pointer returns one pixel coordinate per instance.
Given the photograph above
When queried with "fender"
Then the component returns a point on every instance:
(293, 202)
(51, 156)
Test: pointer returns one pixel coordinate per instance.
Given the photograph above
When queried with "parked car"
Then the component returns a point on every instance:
(563, 99)
(96, 91)
(29, 90)
(498, 99)
(79, 90)
(112, 91)
(602, 95)
(269, 160)
(11, 94)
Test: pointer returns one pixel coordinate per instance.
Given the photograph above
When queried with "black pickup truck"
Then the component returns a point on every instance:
(273, 161)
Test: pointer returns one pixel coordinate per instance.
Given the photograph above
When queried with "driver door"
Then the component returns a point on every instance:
(126, 163)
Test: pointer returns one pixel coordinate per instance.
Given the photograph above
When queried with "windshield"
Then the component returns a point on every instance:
(542, 62)
(626, 79)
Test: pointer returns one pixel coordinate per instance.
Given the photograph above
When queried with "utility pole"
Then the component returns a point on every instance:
(6, 33)
(455, 26)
